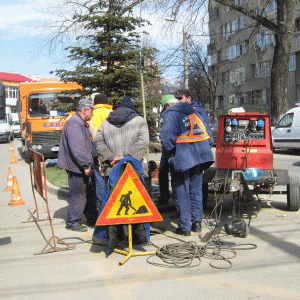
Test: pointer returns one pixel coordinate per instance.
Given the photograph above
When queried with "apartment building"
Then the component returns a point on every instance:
(241, 59)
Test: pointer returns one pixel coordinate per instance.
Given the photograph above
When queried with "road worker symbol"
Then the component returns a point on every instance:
(126, 202)
(129, 202)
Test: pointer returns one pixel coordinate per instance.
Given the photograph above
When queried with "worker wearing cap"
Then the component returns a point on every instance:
(163, 175)
(185, 138)
(77, 155)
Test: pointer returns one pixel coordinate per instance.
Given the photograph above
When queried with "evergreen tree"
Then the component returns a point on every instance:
(107, 61)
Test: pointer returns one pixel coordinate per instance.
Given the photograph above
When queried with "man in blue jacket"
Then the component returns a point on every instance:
(186, 138)
(77, 154)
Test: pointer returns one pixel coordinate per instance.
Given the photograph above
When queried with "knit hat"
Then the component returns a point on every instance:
(127, 102)
(100, 99)
(169, 99)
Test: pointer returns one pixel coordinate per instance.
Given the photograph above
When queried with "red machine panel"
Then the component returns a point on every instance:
(244, 141)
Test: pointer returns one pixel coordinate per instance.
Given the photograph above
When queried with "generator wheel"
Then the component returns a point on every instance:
(204, 195)
(293, 194)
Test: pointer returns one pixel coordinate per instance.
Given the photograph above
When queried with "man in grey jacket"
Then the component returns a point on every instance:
(77, 154)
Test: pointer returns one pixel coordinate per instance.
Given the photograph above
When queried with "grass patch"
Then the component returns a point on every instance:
(57, 177)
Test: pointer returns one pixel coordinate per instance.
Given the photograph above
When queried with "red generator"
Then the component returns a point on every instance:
(244, 160)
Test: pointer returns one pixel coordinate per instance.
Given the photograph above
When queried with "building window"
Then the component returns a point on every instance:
(241, 49)
(241, 98)
(232, 99)
(219, 101)
(272, 7)
(232, 52)
(237, 76)
(292, 65)
(11, 92)
(241, 23)
(264, 96)
(262, 69)
(225, 77)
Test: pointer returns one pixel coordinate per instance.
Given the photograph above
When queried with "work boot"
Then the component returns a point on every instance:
(97, 241)
(196, 227)
(181, 232)
(78, 227)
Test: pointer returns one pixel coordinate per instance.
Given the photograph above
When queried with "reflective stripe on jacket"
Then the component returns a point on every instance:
(196, 134)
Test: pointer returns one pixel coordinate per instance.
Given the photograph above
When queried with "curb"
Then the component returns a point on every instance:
(59, 192)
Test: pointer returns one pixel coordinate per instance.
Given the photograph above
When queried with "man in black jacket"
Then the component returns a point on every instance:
(77, 154)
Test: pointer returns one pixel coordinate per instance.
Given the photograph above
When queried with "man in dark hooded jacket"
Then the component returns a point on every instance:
(186, 139)
(123, 133)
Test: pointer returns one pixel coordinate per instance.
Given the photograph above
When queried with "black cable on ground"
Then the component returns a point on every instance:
(81, 241)
(184, 254)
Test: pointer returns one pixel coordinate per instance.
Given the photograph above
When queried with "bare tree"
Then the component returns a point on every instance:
(200, 82)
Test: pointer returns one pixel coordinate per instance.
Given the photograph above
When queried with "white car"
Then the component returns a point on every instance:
(16, 128)
(286, 133)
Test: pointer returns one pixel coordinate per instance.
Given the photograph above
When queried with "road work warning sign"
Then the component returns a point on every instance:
(129, 202)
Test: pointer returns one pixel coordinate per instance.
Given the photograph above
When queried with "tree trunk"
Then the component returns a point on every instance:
(286, 10)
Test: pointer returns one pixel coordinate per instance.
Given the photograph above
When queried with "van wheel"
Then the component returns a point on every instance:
(12, 138)
(293, 194)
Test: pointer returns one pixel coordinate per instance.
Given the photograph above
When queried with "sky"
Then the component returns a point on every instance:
(23, 43)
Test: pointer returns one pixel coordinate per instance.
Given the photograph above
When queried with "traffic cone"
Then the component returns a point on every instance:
(15, 194)
(11, 148)
(13, 158)
(9, 181)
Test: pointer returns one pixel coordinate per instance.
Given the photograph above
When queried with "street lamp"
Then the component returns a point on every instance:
(185, 54)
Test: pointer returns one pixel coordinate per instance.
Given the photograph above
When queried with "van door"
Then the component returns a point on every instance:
(286, 133)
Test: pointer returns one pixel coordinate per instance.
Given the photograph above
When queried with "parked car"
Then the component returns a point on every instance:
(16, 128)
(286, 133)
(214, 131)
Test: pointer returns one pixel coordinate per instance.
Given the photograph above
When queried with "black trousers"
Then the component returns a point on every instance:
(82, 198)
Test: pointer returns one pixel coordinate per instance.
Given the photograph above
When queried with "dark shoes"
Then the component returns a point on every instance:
(181, 232)
(97, 241)
(77, 227)
(196, 227)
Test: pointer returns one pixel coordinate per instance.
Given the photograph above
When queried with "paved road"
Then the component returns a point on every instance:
(269, 272)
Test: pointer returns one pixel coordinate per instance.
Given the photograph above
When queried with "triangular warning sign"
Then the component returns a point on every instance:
(129, 202)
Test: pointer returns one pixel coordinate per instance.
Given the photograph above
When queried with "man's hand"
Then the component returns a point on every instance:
(88, 172)
(116, 160)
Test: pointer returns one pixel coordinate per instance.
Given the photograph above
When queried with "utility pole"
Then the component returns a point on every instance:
(185, 58)
(185, 53)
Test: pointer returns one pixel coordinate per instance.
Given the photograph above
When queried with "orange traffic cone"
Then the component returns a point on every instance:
(11, 148)
(9, 181)
(13, 158)
(15, 194)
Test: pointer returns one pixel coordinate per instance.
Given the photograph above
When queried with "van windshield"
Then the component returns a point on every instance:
(52, 104)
